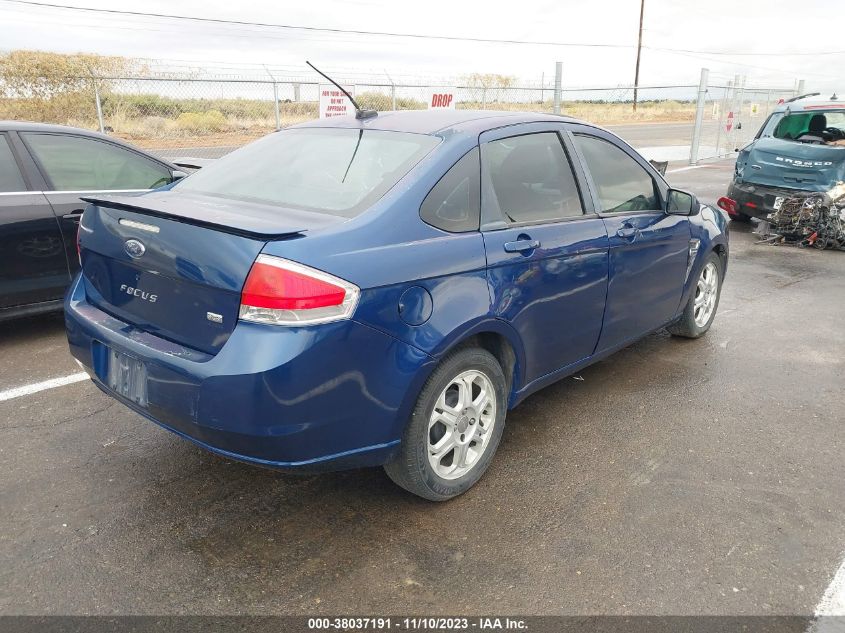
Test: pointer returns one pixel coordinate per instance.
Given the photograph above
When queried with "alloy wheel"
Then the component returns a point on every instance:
(706, 293)
(460, 425)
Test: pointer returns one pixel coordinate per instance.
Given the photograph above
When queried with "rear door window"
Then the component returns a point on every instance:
(10, 175)
(622, 184)
(78, 163)
(531, 178)
(454, 202)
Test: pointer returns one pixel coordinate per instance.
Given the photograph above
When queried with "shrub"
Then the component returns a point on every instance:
(383, 102)
(199, 122)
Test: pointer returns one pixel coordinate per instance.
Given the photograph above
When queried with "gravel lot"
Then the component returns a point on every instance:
(678, 477)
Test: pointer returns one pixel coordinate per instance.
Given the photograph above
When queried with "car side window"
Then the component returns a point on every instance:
(454, 203)
(10, 175)
(622, 184)
(531, 178)
(77, 163)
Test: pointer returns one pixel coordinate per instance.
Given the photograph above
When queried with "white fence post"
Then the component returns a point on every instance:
(723, 113)
(276, 105)
(738, 134)
(97, 101)
(699, 117)
(558, 78)
(392, 90)
(275, 98)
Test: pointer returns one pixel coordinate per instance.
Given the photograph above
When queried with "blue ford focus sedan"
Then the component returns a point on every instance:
(381, 291)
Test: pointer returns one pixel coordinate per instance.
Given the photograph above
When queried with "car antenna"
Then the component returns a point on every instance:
(359, 113)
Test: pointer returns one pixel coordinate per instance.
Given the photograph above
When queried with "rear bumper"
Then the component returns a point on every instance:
(756, 201)
(322, 397)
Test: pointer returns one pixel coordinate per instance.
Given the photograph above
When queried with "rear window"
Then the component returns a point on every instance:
(808, 125)
(329, 170)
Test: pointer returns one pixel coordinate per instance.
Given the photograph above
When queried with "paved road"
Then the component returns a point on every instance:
(678, 477)
(654, 134)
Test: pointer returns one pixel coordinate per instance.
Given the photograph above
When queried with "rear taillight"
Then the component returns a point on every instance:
(728, 204)
(281, 292)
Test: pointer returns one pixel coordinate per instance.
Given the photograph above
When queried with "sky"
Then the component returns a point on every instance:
(772, 42)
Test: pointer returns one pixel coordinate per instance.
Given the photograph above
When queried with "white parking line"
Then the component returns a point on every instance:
(26, 390)
(832, 605)
(675, 171)
(833, 601)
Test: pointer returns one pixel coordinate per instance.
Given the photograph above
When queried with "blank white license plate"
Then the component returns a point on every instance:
(778, 203)
(127, 377)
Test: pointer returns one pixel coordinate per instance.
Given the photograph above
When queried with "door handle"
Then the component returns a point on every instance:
(73, 215)
(628, 232)
(520, 246)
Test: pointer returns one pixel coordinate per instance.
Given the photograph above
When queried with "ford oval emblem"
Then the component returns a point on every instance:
(134, 248)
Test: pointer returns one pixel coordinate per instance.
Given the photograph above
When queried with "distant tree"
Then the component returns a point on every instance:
(53, 87)
(490, 81)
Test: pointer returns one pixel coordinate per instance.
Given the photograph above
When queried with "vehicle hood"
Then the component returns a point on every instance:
(778, 163)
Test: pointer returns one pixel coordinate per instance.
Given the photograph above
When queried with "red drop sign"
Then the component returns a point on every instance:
(442, 99)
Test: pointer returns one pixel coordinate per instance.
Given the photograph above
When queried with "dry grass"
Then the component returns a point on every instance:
(202, 129)
(152, 121)
(603, 113)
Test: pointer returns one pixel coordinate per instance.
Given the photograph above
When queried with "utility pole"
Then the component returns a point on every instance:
(639, 50)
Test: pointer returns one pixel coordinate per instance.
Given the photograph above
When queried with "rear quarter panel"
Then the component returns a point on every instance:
(388, 250)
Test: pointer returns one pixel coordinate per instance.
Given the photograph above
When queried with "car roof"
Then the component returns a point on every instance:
(437, 121)
(28, 126)
(812, 102)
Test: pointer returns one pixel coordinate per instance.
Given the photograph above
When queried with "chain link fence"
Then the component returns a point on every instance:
(206, 117)
(733, 113)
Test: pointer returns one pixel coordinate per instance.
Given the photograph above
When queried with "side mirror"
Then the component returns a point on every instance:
(681, 203)
(178, 174)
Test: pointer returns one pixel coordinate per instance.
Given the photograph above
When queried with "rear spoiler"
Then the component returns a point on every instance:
(256, 225)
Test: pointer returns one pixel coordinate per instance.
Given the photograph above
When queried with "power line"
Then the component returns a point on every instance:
(744, 65)
(455, 38)
(738, 54)
(310, 28)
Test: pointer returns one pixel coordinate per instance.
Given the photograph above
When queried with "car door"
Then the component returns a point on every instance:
(75, 166)
(649, 249)
(546, 247)
(33, 267)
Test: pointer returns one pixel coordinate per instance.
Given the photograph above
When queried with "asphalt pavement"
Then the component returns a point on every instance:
(677, 477)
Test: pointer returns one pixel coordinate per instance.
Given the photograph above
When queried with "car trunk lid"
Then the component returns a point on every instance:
(789, 164)
(175, 264)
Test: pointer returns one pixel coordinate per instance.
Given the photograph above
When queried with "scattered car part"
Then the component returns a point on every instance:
(812, 219)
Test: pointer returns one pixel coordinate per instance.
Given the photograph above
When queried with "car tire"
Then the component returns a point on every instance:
(701, 308)
(741, 217)
(444, 417)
